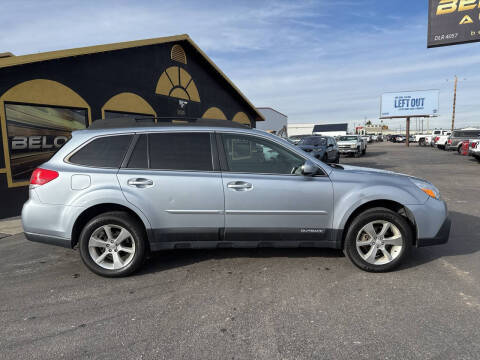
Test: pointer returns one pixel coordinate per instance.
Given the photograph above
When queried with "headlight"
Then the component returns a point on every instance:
(353, 146)
(427, 188)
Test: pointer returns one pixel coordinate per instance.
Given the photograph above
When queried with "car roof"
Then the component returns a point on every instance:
(136, 122)
(129, 125)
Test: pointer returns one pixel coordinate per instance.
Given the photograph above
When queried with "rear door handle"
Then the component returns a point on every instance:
(140, 182)
(240, 186)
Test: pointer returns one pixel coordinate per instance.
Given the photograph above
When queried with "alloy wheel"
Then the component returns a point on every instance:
(111, 247)
(379, 242)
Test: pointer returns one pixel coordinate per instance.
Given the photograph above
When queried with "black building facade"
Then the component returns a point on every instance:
(44, 97)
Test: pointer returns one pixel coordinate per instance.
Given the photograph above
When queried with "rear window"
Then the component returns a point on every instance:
(314, 140)
(173, 151)
(107, 152)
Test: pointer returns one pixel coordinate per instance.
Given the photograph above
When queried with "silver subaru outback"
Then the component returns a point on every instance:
(123, 188)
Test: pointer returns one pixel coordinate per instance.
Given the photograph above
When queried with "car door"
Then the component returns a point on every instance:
(266, 197)
(174, 179)
(333, 149)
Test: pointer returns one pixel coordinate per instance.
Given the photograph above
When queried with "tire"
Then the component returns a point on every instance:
(364, 151)
(337, 159)
(422, 142)
(325, 158)
(127, 256)
(459, 149)
(397, 248)
(358, 153)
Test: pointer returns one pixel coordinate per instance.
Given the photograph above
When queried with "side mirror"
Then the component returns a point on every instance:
(309, 169)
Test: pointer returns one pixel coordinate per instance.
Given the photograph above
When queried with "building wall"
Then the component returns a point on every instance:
(300, 129)
(274, 120)
(129, 80)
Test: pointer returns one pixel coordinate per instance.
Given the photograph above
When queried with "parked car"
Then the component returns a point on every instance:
(321, 147)
(367, 138)
(399, 138)
(351, 145)
(121, 189)
(458, 136)
(296, 138)
(428, 139)
(441, 141)
(475, 148)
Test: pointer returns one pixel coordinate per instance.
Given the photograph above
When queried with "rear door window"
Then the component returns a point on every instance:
(104, 152)
(173, 151)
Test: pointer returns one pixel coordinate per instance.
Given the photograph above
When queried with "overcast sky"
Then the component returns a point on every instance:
(316, 61)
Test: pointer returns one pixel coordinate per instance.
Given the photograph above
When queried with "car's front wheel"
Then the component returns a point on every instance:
(113, 244)
(378, 240)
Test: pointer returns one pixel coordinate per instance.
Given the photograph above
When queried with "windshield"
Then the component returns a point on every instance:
(347, 138)
(314, 140)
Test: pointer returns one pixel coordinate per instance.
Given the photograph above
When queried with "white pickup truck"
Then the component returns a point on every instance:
(428, 139)
(442, 140)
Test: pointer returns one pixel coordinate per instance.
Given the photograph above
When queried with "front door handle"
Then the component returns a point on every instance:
(140, 182)
(240, 186)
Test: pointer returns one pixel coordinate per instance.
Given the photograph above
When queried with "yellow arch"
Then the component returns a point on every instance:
(214, 113)
(37, 92)
(176, 82)
(242, 118)
(128, 102)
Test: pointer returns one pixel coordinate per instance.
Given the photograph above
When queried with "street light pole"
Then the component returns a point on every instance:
(454, 102)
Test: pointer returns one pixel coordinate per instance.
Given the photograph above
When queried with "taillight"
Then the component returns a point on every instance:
(449, 141)
(436, 139)
(42, 176)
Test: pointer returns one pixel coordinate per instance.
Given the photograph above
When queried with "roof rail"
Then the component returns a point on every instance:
(165, 121)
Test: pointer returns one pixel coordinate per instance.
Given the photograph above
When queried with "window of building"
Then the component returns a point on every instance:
(36, 132)
(119, 114)
(107, 151)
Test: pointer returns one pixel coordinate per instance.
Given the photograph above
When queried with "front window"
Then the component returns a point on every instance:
(347, 138)
(249, 154)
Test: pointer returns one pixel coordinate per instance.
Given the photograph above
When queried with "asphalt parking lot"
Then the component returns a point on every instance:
(262, 303)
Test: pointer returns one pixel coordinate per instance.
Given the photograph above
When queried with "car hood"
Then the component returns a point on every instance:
(365, 170)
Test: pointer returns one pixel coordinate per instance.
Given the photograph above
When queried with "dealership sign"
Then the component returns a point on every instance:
(409, 104)
(453, 22)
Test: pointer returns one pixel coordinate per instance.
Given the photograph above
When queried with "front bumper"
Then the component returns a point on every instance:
(440, 238)
(431, 222)
(347, 151)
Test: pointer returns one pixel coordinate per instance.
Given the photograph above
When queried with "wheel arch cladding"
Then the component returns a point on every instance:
(388, 204)
(98, 209)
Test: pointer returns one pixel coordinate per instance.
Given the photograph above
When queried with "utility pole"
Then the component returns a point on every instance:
(454, 102)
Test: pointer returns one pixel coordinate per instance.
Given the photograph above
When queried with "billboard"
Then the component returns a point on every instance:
(452, 22)
(409, 103)
(36, 132)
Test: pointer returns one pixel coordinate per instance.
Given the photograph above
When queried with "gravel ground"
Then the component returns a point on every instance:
(258, 304)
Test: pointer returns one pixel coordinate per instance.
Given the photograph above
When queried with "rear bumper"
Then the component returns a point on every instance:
(440, 238)
(48, 239)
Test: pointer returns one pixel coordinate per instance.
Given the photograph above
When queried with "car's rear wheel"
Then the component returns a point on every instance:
(378, 240)
(113, 244)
